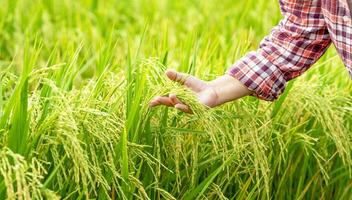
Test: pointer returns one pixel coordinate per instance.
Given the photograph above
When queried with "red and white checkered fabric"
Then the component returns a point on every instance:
(295, 44)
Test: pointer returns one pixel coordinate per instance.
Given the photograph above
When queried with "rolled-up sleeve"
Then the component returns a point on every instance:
(292, 47)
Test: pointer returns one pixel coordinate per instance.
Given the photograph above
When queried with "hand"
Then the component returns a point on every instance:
(211, 94)
(204, 91)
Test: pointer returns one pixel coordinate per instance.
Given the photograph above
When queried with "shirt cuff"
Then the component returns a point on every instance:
(259, 75)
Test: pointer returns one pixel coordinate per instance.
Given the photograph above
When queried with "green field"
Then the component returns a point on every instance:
(76, 78)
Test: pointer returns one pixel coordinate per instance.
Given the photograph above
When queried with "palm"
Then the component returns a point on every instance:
(207, 97)
(205, 93)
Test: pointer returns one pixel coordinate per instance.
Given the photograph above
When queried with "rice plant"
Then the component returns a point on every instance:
(76, 78)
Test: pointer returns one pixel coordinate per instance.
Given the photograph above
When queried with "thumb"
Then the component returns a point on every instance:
(189, 81)
(176, 76)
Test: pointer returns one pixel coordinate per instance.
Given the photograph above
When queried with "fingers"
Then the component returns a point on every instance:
(174, 99)
(183, 108)
(170, 101)
(178, 104)
(161, 101)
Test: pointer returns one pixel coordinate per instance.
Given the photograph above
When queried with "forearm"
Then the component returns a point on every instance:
(227, 88)
(292, 47)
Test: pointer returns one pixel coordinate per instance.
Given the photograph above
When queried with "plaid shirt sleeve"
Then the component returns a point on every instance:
(293, 46)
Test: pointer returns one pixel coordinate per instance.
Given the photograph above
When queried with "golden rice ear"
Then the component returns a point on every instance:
(22, 179)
